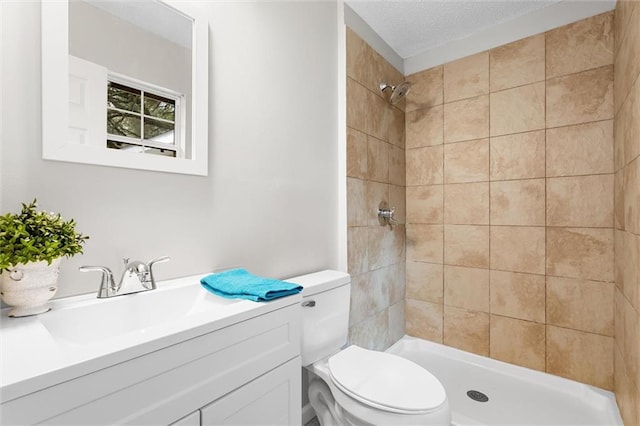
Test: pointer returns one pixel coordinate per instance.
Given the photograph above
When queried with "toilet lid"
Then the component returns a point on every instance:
(386, 381)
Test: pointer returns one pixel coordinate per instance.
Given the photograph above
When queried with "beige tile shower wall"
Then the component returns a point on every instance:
(375, 173)
(510, 185)
(627, 210)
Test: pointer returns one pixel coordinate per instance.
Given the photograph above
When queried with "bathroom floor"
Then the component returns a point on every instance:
(313, 422)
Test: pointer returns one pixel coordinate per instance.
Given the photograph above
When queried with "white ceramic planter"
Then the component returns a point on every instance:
(28, 288)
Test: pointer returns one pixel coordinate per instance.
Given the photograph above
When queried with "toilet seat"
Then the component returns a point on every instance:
(386, 381)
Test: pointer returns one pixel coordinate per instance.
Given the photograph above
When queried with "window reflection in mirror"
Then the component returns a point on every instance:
(80, 55)
(141, 52)
(148, 118)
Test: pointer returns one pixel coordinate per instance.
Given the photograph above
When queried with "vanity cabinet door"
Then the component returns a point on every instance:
(272, 399)
(160, 387)
(192, 419)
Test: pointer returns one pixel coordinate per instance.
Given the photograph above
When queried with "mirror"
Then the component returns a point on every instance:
(125, 84)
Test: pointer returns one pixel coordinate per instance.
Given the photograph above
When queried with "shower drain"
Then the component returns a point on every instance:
(477, 396)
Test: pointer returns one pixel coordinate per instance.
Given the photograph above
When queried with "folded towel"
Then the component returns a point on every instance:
(240, 284)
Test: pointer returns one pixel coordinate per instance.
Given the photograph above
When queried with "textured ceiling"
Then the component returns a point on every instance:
(412, 27)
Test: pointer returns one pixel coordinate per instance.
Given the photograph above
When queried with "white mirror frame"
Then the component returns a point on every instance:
(55, 87)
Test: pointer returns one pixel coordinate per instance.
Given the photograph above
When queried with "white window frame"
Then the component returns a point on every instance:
(179, 122)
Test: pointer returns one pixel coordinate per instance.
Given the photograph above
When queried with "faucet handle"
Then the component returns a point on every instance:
(158, 260)
(94, 268)
(107, 283)
(150, 269)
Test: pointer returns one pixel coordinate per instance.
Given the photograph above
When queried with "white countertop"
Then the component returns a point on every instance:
(40, 351)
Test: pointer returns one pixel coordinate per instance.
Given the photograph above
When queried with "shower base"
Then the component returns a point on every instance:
(484, 391)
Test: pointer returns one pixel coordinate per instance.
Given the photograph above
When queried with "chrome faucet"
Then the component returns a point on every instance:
(137, 277)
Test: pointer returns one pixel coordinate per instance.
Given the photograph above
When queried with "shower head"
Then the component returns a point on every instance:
(398, 92)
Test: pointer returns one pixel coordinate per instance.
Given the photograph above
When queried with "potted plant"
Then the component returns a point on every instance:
(32, 244)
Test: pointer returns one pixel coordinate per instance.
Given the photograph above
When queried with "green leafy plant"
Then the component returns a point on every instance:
(33, 236)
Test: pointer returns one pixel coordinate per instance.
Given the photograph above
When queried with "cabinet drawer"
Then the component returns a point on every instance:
(163, 386)
(271, 399)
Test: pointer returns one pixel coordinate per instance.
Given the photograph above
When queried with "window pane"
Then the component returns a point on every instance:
(124, 146)
(123, 97)
(157, 106)
(156, 151)
(159, 131)
(140, 149)
(119, 123)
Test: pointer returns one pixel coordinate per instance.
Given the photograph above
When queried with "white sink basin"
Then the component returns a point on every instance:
(82, 333)
(101, 319)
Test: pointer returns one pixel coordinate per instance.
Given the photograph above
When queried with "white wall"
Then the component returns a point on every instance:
(270, 201)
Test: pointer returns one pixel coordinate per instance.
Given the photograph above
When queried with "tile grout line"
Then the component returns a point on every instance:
(489, 178)
(602, 282)
(545, 204)
(615, 55)
(519, 86)
(443, 203)
(543, 129)
(511, 181)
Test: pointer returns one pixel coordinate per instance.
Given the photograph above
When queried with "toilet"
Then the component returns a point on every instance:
(351, 385)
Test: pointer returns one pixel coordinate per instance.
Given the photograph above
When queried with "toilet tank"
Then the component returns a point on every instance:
(325, 313)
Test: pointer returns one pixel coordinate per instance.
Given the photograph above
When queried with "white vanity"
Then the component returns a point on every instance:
(175, 355)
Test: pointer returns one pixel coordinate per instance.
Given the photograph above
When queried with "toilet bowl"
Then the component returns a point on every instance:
(351, 385)
(376, 388)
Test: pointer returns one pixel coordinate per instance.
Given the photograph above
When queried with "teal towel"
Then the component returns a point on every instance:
(240, 284)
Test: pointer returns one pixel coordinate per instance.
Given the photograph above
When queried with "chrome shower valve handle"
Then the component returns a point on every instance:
(385, 215)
